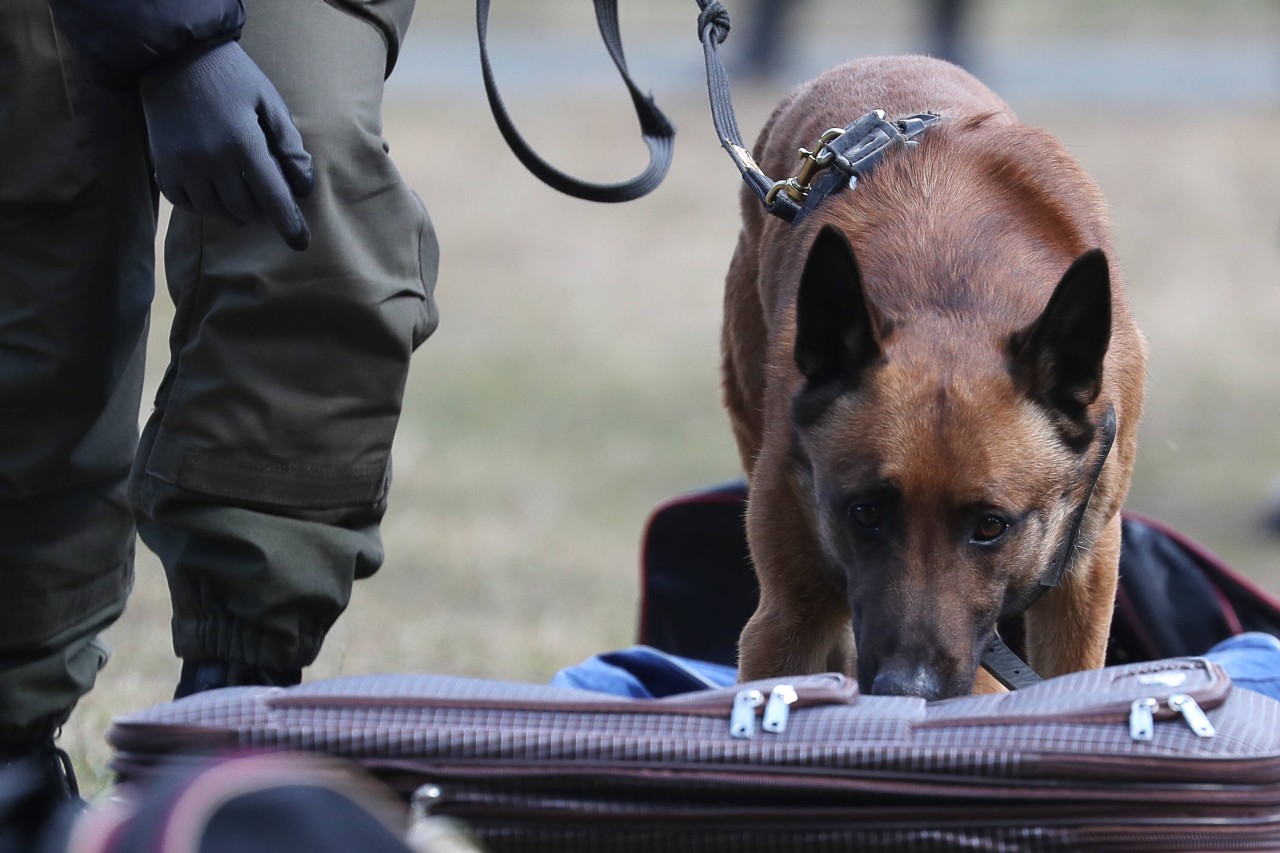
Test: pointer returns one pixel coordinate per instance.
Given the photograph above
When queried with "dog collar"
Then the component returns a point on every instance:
(998, 659)
(1052, 577)
(841, 157)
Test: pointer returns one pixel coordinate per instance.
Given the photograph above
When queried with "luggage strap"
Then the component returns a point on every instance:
(840, 157)
(998, 659)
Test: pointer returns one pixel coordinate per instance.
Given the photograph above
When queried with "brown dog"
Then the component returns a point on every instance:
(916, 375)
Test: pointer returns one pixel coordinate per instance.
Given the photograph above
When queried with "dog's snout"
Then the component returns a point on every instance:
(916, 681)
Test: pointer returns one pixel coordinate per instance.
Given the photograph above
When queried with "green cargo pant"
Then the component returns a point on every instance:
(77, 227)
(261, 474)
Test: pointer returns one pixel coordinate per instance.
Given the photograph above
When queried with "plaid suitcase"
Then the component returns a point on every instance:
(1147, 756)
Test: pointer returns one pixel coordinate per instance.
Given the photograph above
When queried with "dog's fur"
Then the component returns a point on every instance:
(902, 389)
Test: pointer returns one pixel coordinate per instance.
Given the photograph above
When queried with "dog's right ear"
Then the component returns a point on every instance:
(838, 332)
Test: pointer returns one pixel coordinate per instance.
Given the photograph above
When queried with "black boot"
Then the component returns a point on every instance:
(199, 676)
(39, 797)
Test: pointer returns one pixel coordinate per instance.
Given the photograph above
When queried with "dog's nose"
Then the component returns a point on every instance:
(917, 681)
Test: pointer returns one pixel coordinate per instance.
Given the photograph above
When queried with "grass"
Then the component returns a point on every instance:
(573, 382)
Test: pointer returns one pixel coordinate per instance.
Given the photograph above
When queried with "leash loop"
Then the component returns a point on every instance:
(715, 16)
(656, 130)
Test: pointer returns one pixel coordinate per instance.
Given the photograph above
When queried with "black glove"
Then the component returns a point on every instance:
(223, 142)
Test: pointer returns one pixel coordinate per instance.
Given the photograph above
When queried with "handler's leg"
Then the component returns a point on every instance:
(77, 232)
(263, 471)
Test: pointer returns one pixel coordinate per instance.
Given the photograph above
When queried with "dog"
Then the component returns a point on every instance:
(917, 376)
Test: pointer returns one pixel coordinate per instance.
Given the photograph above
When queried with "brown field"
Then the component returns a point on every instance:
(573, 382)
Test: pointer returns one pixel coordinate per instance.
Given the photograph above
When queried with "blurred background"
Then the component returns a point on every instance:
(573, 383)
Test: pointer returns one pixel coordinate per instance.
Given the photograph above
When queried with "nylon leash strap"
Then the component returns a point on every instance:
(656, 130)
(841, 155)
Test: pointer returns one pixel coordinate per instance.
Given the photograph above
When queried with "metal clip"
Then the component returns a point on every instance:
(424, 799)
(1193, 714)
(812, 162)
(429, 831)
(778, 708)
(1142, 721)
(742, 719)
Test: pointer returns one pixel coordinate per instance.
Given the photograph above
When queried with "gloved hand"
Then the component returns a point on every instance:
(223, 142)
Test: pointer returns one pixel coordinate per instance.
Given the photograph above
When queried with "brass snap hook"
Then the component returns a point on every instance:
(811, 163)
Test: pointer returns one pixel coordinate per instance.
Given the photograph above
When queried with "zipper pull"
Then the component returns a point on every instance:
(1142, 721)
(742, 719)
(778, 709)
(1193, 714)
(429, 831)
(424, 800)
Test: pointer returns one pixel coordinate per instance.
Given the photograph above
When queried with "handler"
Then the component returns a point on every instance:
(261, 475)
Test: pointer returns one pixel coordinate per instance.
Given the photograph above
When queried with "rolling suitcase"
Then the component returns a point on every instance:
(1147, 756)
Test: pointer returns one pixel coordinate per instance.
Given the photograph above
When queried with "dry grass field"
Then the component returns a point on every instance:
(573, 382)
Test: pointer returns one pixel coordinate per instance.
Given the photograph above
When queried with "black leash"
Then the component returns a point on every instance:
(849, 152)
(713, 29)
(658, 133)
(840, 157)
(998, 659)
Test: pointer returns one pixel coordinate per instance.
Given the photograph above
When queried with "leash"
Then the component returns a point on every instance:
(656, 130)
(839, 158)
(1000, 660)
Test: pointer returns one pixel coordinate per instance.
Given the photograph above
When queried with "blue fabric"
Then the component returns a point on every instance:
(644, 673)
(1252, 660)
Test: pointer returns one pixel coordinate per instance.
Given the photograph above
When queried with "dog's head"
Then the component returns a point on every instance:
(945, 456)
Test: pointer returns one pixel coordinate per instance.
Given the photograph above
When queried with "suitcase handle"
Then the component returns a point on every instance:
(1168, 689)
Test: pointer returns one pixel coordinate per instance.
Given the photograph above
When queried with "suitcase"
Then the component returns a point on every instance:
(1161, 755)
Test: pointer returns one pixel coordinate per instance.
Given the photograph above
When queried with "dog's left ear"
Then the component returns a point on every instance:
(1058, 358)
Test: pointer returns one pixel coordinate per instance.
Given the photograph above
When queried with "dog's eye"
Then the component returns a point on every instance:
(865, 515)
(989, 529)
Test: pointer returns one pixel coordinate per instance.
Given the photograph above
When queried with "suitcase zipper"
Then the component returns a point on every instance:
(824, 689)
(1192, 713)
(777, 711)
(1142, 716)
(742, 717)
(1089, 824)
(1142, 719)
